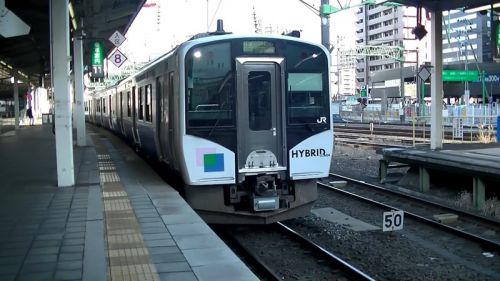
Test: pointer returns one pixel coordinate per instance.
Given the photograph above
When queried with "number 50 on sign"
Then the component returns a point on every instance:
(393, 220)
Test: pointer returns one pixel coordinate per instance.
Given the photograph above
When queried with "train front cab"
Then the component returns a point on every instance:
(280, 91)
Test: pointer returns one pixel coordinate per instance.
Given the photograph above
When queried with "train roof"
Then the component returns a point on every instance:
(214, 38)
(187, 45)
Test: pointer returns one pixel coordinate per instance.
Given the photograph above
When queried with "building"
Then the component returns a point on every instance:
(347, 82)
(379, 25)
(344, 69)
(466, 38)
(468, 45)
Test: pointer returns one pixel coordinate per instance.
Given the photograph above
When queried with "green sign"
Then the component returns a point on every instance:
(362, 93)
(498, 33)
(326, 9)
(97, 53)
(460, 75)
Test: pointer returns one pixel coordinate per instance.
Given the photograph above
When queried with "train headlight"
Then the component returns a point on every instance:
(197, 54)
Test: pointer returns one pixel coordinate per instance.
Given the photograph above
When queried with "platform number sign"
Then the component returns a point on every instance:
(117, 58)
(393, 220)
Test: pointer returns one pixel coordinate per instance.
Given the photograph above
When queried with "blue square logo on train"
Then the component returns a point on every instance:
(213, 162)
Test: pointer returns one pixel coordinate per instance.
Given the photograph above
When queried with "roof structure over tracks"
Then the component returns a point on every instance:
(29, 55)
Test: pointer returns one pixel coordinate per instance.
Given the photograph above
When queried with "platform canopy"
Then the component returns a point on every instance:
(30, 54)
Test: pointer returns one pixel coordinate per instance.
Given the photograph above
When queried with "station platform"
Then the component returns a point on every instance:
(480, 162)
(119, 222)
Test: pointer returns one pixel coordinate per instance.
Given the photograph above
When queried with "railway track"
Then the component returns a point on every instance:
(478, 229)
(277, 252)
(399, 131)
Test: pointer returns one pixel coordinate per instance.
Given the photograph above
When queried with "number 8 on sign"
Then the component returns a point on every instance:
(118, 58)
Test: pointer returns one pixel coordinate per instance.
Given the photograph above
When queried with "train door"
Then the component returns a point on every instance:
(260, 106)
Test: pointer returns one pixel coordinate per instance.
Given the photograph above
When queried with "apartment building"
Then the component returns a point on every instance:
(379, 25)
(466, 37)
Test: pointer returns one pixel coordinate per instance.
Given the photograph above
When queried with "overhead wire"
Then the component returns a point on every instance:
(310, 7)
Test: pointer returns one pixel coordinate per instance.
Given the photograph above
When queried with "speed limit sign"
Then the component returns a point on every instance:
(392, 220)
(117, 58)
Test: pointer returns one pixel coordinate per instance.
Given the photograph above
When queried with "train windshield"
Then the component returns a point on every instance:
(209, 86)
(307, 84)
(210, 81)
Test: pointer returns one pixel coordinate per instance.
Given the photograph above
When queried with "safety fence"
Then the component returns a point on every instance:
(475, 115)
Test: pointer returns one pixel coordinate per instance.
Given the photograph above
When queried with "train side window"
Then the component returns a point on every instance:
(147, 102)
(129, 104)
(121, 104)
(169, 107)
(141, 104)
(103, 105)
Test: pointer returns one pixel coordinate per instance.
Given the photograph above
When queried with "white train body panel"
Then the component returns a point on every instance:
(207, 162)
(312, 157)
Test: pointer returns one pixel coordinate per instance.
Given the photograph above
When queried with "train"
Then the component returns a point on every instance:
(244, 120)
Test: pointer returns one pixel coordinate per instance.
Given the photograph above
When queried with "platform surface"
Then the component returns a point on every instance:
(471, 159)
(119, 222)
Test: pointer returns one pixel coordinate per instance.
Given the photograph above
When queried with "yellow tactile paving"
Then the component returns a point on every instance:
(114, 204)
(128, 256)
(114, 194)
(143, 272)
(107, 177)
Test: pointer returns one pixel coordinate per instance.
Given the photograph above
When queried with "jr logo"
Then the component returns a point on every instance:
(321, 120)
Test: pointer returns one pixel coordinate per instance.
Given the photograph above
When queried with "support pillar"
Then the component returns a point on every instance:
(16, 103)
(382, 169)
(60, 72)
(478, 196)
(437, 80)
(79, 99)
(423, 179)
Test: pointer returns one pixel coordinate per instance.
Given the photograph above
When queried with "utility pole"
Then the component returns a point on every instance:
(208, 27)
(325, 26)
(256, 22)
(338, 67)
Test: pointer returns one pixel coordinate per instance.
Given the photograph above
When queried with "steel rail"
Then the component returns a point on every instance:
(485, 243)
(350, 270)
(416, 198)
(262, 269)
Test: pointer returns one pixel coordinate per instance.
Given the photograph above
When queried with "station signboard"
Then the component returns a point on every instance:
(460, 75)
(97, 58)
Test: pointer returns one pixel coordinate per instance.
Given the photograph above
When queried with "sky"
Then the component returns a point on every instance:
(163, 24)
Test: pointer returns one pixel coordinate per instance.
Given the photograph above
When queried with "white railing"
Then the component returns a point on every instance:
(472, 115)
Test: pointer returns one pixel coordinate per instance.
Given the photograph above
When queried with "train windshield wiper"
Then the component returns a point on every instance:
(223, 84)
